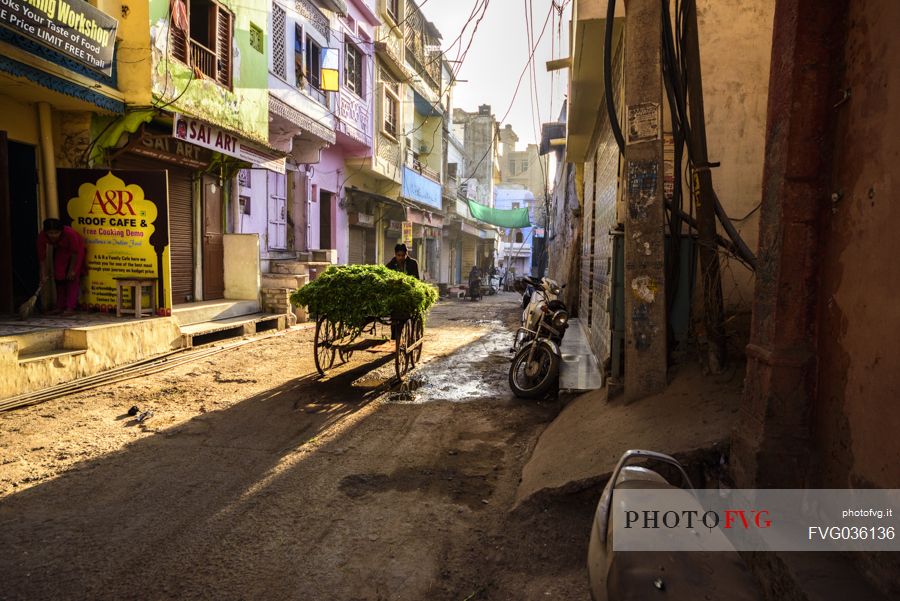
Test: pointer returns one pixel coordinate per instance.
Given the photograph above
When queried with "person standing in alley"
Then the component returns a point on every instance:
(403, 263)
(68, 262)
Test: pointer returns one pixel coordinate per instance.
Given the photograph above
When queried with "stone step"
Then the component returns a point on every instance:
(324, 255)
(284, 280)
(40, 341)
(200, 312)
(289, 267)
(304, 256)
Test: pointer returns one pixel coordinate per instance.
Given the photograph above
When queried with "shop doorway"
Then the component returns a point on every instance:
(213, 240)
(326, 237)
(19, 223)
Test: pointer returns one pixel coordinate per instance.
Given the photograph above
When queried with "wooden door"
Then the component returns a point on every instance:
(6, 279)
(277, 235)
(213, 240)
(325, 238)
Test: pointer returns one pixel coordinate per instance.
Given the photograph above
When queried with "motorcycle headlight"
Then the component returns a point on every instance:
(555, 290)
(560, 319)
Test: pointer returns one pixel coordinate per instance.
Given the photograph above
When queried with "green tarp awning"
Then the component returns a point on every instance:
(514, 218)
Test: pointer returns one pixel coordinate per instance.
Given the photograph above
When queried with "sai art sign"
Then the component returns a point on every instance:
(123, 218)
(217, 139)
(73, 28)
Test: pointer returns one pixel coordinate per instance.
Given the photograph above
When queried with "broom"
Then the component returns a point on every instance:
(27, 307)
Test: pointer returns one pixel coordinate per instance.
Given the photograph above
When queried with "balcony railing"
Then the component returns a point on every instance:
(420, 167)
(203, 59)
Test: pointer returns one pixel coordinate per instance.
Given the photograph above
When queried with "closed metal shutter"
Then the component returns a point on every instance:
(357, 251)
(469, 254)
(181, 235)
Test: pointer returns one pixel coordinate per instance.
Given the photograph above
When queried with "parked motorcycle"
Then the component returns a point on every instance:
(535, 365)
(634, 575)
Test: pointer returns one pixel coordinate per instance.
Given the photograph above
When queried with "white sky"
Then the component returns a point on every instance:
(498, 55)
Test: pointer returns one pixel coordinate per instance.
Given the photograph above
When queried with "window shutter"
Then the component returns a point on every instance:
(178, 41)
(278, 45)
(223, 47)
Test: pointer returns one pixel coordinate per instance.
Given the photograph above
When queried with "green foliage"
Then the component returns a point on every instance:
(354, 293)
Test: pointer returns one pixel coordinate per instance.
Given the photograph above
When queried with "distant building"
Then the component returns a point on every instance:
(516, 245)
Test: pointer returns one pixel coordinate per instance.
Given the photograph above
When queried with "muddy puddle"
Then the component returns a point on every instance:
(476, 371)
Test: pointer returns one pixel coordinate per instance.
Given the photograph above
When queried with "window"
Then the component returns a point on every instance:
(353, 69)
(515, 205)
(524, 165)
(519, 238)
(314, 70)
(201, 37)
(244, 205)
(299, 64)
(393, 9)
(391, 105)
(512, 167)
(390, 114)
(256, 37)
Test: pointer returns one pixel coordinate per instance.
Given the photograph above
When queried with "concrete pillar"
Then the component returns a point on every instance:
(379, 234)
(771, 446)
(48, 160)
(645, 296)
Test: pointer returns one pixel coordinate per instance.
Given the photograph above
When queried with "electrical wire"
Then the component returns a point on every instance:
(513, 100)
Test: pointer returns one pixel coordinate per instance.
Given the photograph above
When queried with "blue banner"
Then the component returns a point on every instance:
(419, 188)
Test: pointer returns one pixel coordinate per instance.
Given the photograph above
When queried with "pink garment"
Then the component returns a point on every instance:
(67, 292)
(69, 244)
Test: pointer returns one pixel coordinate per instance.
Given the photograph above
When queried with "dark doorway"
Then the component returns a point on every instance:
(213, 240)
(19, 223)
(326, 239)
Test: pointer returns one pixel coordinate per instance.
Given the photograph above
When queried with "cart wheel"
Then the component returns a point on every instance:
(340, 335)
(325, 338)
(418, 331)
(402, 358)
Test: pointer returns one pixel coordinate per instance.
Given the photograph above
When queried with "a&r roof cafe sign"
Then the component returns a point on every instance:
(73, 28)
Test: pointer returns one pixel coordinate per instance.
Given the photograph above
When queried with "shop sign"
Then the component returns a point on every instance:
(123, 217)
(419, 188)
(407, 231)
(166, 148)
(73, 28)
(217, 139)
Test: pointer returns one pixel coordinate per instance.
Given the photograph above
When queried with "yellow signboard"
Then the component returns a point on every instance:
(407, 234)
(123, 218)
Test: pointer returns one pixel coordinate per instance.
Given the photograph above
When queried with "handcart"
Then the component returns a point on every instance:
(338, 340)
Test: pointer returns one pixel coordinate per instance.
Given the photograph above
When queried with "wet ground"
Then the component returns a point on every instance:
(255, 479)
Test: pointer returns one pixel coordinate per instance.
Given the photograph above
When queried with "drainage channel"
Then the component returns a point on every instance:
(477, 371)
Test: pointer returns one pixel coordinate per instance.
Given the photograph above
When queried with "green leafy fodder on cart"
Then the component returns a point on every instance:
(353, 294)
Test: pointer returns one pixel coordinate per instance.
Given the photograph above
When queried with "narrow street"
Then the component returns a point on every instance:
(254, 479)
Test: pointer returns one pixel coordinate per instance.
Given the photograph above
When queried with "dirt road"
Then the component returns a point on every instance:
(255, 480)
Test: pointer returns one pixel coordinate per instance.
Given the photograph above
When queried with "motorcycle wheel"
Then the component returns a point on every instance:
(531, 380)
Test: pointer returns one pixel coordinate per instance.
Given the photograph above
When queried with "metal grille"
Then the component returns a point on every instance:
(388, 150)
(314, 16)
(278, 51)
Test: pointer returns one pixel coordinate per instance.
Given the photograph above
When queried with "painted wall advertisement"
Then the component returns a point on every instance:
(123, 216)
